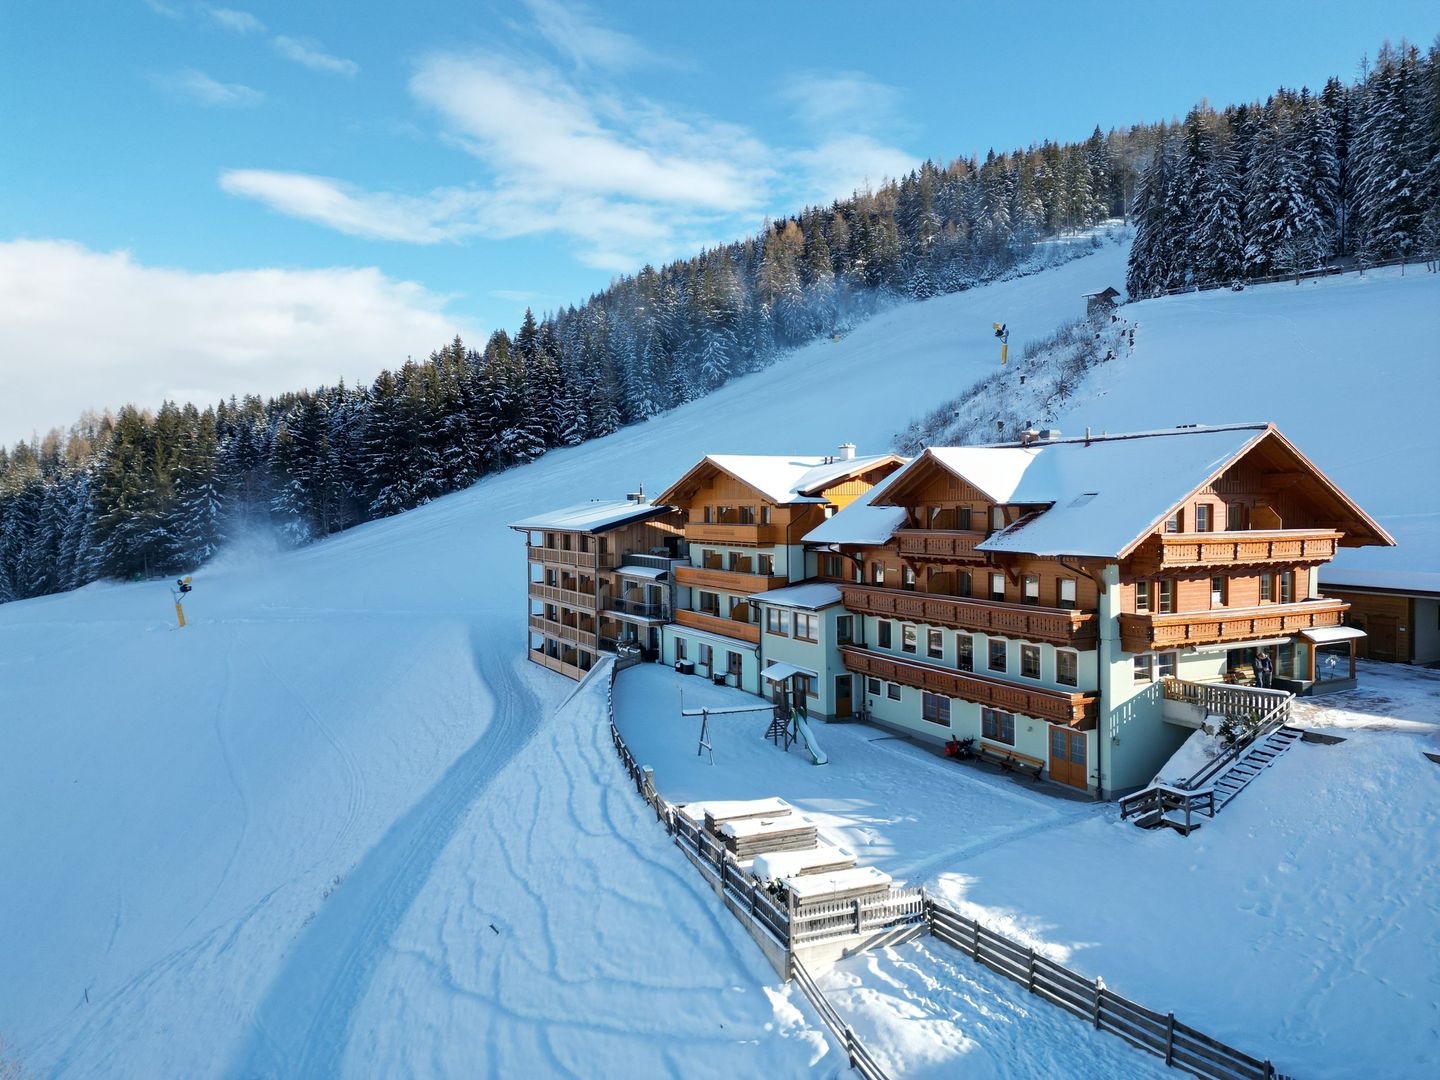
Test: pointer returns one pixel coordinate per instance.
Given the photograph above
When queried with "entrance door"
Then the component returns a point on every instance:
(1067, 757)
(842, 696)
(733, 661)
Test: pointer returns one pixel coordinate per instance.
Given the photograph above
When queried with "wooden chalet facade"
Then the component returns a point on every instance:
(599, 574)
(1033, 597)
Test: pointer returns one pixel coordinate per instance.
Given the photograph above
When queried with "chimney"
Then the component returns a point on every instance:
(847, 451)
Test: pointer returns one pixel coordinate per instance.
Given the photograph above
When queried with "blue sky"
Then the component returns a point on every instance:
(204, 198)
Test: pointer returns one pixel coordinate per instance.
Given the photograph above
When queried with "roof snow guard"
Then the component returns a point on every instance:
(592, 517)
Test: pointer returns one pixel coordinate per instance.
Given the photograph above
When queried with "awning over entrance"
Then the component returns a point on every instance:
(780, 671)
(1328, 635)
(642, 572)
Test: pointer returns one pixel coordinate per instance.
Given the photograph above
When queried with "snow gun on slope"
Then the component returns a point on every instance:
(180, 590)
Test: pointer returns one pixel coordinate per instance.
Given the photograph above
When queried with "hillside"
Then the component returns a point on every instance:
(316, 765)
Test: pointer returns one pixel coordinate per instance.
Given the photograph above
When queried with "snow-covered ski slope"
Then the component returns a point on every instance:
(1347, 366)
(275, 842)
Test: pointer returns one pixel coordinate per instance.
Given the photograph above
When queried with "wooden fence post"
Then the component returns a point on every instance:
(1170, 1039)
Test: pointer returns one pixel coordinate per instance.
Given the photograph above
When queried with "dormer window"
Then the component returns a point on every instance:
(1172, 523)
(1203, 520)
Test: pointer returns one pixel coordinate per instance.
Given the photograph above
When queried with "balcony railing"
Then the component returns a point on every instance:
(638, 608)
(948, 546)
(1254, 547)
(718, 624)
(562, 557)
(723, 533)
(1054, 626)
(1058, 707)
(564, 632)
(569, 597)
(1151, 633)
(731, 581)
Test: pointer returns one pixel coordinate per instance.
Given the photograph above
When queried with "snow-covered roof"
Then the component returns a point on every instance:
(1327, 635)
(1412, 566)
(779, 671)
(592, 516)
(812, 597)
(784, 480)
(651, 572)
(859, 523)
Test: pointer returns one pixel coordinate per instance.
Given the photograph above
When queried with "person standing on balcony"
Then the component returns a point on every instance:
(1264, 669)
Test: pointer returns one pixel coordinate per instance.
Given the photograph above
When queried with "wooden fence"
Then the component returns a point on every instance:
(1157, 1033)
(823, 919)
(1302, 275)
(860, 1058)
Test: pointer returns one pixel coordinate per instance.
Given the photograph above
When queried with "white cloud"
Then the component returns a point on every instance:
(87, 329)
(238, 22)
(307, 52)
(574, 32)
(198, 88)
(842, 101)
(840, 166)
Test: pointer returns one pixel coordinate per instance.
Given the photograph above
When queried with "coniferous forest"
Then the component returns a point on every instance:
(1354, 171)
(1349, 176)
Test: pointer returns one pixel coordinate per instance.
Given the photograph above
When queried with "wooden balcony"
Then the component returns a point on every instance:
(561, 557)
(731, 581)
(1055, 626)
(710, 532)
(924, 545)
(1152, 633)
(718, 624)
(570, 668)
(1178, 551)
(569, 597)
(564, 632)
(1058, 707)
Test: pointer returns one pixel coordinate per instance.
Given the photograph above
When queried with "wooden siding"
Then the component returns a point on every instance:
(1192, 591)
(1075, 629)
(731, 581)
(1076, 709)
(1149, 633)
(718, 624)
(1386, 620)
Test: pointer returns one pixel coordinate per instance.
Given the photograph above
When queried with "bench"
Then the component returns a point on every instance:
(1010, 760)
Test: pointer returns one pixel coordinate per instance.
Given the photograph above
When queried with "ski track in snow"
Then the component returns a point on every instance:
(304, 1021)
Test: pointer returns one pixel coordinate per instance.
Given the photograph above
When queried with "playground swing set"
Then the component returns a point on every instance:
(789, 718)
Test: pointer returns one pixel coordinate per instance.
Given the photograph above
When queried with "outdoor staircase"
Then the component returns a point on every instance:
(1259, 757)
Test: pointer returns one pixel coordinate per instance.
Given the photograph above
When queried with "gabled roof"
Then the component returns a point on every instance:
(860, 523)
(781, 480)
(593, 517)
(1100, 497)
(1109, 290)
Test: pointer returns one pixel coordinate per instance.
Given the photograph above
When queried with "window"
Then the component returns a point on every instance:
(1144, 669)
(997, 726)
(765, 515)
(935, 644)
(997, 655)
(745, 515)
(1166, 667)
(1235, 517)
(1166, 605)
(1066, 593)
(963, 518)
(1218, 591)
(765, 564)
(1287, 587)
(892, 691)
(997, 518)
(964, 652)
(709, 515)
(1067, 667)
(935, 709)
(803, 685)
(707, 654)
(872, 686)
(997, 587)
(777, 620)
(877, 573)
(709, 602)
(907, 580)
(829, 565)
(1203, 518)
(680, 648)
(1030, 661)
(1032, 588)
(882, 635)
(962, 583)
(1267, 588)
(907, 637)
(739, 562)
(845, 628)
(733, 660)
(1173, 522)
(806, 626)
(1142, 597)
(724, 514)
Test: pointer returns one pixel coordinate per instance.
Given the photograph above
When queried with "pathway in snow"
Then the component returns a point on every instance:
(303, 1023)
